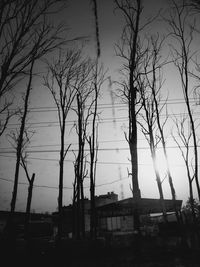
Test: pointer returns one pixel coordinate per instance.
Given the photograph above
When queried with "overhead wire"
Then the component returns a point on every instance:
(98, 162)
(48, 124)
(108, 105)
(88, 150)
(64, 187)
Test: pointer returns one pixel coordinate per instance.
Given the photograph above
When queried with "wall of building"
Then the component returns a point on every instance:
(116, 223)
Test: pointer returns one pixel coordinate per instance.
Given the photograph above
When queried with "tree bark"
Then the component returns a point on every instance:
(133, 121)
(20, 141)
(28, 206)
(61, 173)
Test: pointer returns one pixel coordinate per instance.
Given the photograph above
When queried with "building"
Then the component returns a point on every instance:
(100, 200)
(118, 216)
(115, 216)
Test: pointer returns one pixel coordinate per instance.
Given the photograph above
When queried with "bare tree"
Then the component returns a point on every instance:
(194, 5)
(61, 81)
(20, 137)
(153, 65)
(24, 162)
(29, 197)
(5, 115)
(83, 111)
(182, 56)
(79, 169)
(157, 66)
(14, 140)
(184, 142)
(130, 51)
(150, 131)
(45, 40)
(21, 25)
(92, 139)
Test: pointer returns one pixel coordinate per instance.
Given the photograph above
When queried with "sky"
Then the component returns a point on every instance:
(113, 156)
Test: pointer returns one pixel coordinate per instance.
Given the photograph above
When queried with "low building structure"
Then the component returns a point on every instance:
(68, 223)
(118, 216)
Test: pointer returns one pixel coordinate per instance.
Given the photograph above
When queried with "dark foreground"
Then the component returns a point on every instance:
(71, 253)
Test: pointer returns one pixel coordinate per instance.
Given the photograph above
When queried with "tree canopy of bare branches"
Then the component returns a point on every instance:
(182, 31)
(68, 78)
(26, 36)
(24, 31)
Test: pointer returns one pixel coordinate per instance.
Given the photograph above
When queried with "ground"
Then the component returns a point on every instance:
(96, 254)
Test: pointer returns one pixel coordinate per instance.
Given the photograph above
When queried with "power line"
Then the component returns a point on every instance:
(108, 105)
(55, 145)
(65, 187)
(76, 143)
(87, 150)
(32, 158)
(98, 162)
(67, 160)
(42, 186)
(73, 122)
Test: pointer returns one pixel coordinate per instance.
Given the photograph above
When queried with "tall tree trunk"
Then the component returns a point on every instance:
(159, 183)
(61, 173)
(133, 144)
(187, 102)
(92, 200)
(28, 206)
(20, 141)
(194, 142)
(74, 226)
(148, 106)
(133, 121)
(82, 211)
(191, 192)
(165, 152)
(92, 138)
(184, 70)
(80, 202)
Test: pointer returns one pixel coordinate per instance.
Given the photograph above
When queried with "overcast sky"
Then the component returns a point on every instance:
(113, 152)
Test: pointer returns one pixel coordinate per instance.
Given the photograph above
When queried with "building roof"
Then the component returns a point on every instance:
(145, 206)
